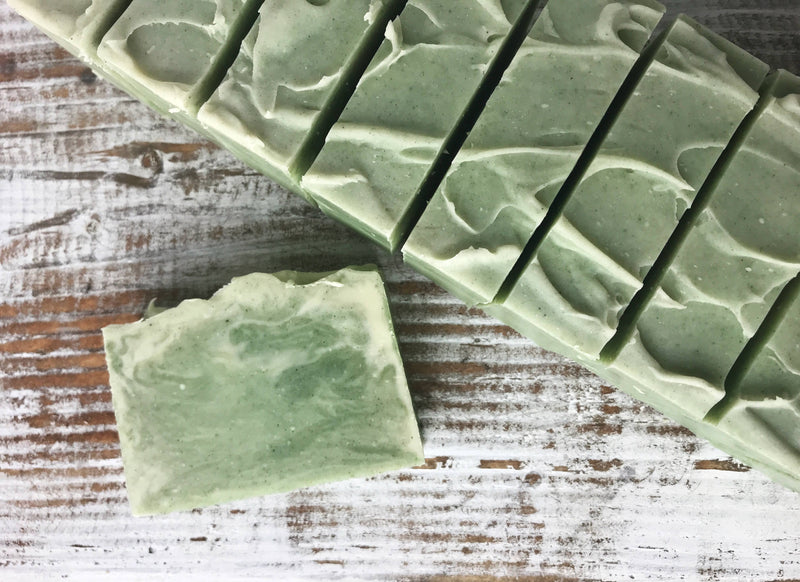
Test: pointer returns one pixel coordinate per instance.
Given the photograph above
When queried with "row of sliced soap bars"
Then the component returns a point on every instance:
(621, 191)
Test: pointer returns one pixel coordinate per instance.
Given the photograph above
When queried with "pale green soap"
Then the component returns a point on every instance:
(774, 379)
(277, 382)
(526, 142)
(658, 153)
(165, 48)
(377, 155)
(288, 69)
(740, 255)
(727, 275)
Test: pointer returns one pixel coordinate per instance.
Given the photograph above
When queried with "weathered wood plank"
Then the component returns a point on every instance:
(536, 470)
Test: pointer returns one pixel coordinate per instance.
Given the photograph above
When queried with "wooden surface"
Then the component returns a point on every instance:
(536, 470)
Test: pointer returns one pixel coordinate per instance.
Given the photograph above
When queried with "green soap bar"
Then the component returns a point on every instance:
(762, 424)
(377, 155)
(277, 382)
(526, 142)
(726, 277)
(165, 49)
(737, 258)
(658, 153)
(288, 69)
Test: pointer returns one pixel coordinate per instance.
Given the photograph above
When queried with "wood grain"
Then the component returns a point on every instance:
(536, 471)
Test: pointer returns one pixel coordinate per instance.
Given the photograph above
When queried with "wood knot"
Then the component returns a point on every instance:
(153, 160)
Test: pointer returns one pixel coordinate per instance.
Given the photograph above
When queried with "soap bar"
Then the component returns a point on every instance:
(167, 49)
(659, 152)
(734, 262)
(377, 155)
(276, 382)
(291, 65)
(731, 269)
(526, 142)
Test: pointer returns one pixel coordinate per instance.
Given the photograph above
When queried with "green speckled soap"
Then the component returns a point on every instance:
(657, 155)
(733, 264)
(526, 142)
(731, 270)
(167, 50)
(378, 153)
(295, 61)
(276, 382)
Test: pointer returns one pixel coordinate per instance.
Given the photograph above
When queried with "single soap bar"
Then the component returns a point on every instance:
(735, 262)
(276, 382)
(377, 155)
(526, 142)
(659, 152)
(167, 50)
(291, 65)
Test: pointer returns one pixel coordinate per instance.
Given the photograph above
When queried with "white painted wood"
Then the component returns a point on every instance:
(536, 470)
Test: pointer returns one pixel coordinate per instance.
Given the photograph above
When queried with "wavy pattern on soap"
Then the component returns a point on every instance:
(281, 82)
(154, 39)
(776, 372)
(502, 181)
(770, 392)
(736, 261)
(393, 128)
(670, 167)
(486, 207)
(594, 22)
(505, 218)
(673, 152)
(302, 367)
(290, 70)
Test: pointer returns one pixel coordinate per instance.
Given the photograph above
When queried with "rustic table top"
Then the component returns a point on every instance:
(537, 471)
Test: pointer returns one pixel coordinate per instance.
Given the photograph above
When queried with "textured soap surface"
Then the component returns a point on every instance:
(771, 387)
(277, 382)
(165, 48)
(769, 396)
(679, 119)
(737, 258)
(410, 99)
(527, 141)
(727, 275)
(288, 68)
